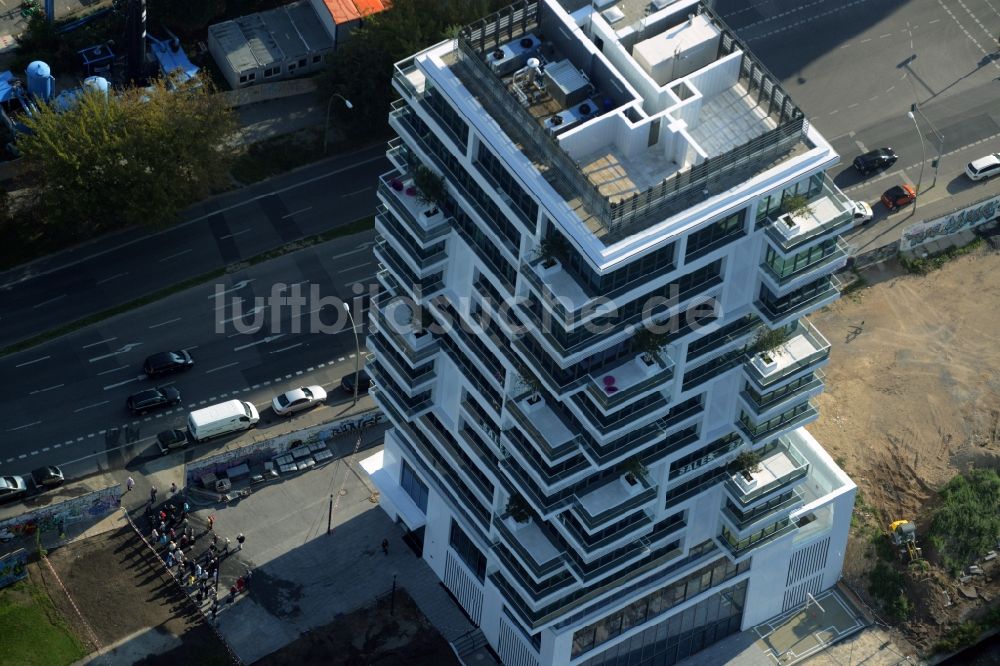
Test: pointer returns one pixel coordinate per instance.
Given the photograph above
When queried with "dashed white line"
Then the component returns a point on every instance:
(56, 446)
(222, 367)
(127, 381)
(294, 213)
(164, 323)
(174, 256)
(94, 344)
(113, 277)
(353, 268)
(355, 192)
(50, 388)
(45, 449)
(51, 300)
(237, 233)
(347, 254)
(35, 452)
(107, 372)
(37, 360)
(96, 404)
(297, 344)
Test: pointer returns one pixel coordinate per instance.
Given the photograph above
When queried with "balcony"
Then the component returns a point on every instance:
(392, 317)
(612, 501)
(544, 428)
(530, 544)
(790, 419)
(418, 287)
(782, 276)
(420, 261)
(781, 399)
(425, 221)
(806, 349)
(782, 467)
(410, 406)
(412, 381)
(829, 212)
(778, 311)
(740, 548)
(615, 386)
(408, 80)
(549, 478)
(741, 521)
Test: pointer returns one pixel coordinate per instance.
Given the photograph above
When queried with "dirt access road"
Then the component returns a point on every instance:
(911, 400)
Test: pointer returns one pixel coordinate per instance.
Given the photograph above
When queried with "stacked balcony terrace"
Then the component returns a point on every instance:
(710, 117)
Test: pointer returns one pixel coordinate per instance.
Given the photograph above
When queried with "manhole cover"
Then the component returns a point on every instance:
(342, 492)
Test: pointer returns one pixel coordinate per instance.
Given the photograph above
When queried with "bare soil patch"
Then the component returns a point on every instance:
(911, 401)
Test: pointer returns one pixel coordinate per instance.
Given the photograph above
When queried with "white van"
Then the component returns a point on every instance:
(221, 419)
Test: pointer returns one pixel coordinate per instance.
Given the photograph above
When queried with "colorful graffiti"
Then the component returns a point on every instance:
(13, 567)
(970, 217)
(55, 517)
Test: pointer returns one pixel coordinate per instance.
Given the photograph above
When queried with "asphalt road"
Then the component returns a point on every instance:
(65, 399)
(224, 230)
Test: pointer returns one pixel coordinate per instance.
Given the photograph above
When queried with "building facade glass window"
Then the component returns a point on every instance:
(472, 556)
(414, 487)
(770, 205)
(517, 197)
(783, 266)
(717, 234)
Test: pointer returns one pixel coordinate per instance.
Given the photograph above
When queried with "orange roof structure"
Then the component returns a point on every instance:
(369, 7)
(345, 11)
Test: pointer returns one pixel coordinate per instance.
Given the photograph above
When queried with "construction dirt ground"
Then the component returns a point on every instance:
(913, 398)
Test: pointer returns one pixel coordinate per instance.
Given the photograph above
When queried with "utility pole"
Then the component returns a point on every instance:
(329, 516)
(923, 159)
(940, 147)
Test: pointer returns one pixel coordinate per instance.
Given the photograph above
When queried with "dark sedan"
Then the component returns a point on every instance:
(364, 382)
(168, 440)
(166, 363)
(49, 476)
(874, 160)
(154, 398)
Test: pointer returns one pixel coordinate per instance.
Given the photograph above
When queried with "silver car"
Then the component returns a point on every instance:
(12, 488)
(298, 399)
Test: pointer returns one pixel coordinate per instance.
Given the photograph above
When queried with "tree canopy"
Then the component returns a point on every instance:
(136, 157)
(361, 69)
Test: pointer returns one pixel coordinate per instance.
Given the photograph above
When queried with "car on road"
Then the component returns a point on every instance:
(984, 167)
(12, 488)
(298, 399)
(166, 363)
(898, 196)
(168, 440)
(154, 398)
(47, 477)
(874, 160)
(364, 382)
(862, 212)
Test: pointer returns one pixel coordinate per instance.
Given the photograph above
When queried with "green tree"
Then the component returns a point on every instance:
(361, 69)
(190, 16)
(137, 157)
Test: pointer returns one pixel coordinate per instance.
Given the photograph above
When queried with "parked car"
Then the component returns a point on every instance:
(364, 382)
(12, 488)
(298, 399)
(154, 398)
(862, 213)
(168, 440)
(898, 196)
(166, 363)
(874, 160)
(46, 477)
(984, 167)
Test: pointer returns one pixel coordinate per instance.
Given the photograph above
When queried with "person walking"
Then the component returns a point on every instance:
(385, 546)
(129, 484)
(173, 488)
(225, 548)
(152, 494)
(211, 523)
(239, 540)
(247, 578)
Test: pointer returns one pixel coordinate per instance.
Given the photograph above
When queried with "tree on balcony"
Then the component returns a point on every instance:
(633, 469)
(527, 380)
(796, 205)
(767, 341)
(747, 463)
(431, 190)
(518, 509)
(553, 248)
(649, 344)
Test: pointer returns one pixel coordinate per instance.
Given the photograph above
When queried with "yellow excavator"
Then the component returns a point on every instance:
(904, 537)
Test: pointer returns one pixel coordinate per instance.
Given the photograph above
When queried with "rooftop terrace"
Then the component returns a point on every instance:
(630, 121)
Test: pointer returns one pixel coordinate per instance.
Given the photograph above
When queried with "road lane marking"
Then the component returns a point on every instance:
(347, 254)
(237, 233)
(235, 287)
(37, 360)
(123, 350)
(222, 367)
(50, 388)
(51, 300)
(108, 372)
(297, 344)
(174, 256)
(269, 338)
(164, 323)
(94, 344)
(356, 192)
(113, 277)
(127, 381)
(251, 311)
(353, 268)
(26, 425)
(294, 213)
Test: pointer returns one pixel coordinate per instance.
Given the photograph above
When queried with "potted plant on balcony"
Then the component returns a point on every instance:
(767, 343)
(633, 469)
(519, 510)
(431, 190)
(747, 463)
(796, 205)
(528, 381)
(650, 345)
(552, 250)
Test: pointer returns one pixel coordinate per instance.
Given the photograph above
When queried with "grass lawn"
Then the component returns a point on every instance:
(31, 630)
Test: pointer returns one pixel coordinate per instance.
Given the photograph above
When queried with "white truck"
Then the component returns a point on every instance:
(222, 419)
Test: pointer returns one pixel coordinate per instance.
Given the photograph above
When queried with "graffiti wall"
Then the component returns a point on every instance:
(55, 517)
(260, 452)
(965, 219)
(877, 255)
(13, 567)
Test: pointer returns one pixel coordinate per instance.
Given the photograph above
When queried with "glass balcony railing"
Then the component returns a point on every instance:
(613, 387)
(612, 501)
(426, 222)
(778, 311)
(550, 478)
(401, 336)
(793, 418)
(416, 286)
(411, 406)
(742, 547)
(781, 399)
(832, 258)
(626, 529)
(742, 521)
(534, 549)
(829, 212)
(780, 468)
(545, 429)
(806, 348)
(413, 380)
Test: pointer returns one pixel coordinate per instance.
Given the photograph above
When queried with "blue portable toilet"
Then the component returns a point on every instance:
(40, 81)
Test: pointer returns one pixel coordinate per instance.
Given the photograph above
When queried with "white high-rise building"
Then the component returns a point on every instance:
(605, 228)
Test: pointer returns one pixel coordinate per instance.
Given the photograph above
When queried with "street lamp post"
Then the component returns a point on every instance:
(940, 140)
(357, 351)
(923, 158)
(326, 125)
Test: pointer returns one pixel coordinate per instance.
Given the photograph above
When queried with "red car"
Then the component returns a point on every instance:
(898, 196)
